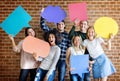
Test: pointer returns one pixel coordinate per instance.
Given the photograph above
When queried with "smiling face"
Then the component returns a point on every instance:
(31, 32)
(61, 26)
(91, 33)
(83, 26)
(51, 39)
(77, 41)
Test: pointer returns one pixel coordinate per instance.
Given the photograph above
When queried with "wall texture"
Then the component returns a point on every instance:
(9, 61)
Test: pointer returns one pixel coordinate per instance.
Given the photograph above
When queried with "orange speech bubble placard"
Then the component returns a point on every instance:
(35, 45)
(104, 26)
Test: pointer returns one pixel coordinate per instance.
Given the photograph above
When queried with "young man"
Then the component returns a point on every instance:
(82, 32)
(63, 43)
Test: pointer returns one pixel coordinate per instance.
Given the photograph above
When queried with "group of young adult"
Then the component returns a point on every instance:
(62, 45)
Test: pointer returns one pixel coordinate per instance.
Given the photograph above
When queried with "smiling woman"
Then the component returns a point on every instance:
(46, 71)
(9, 61)
(27, 62)
(102, 67)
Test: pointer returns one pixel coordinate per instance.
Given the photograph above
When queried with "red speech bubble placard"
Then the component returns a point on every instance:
(35, 45)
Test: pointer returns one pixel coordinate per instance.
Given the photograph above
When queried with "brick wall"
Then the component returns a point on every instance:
(9, 61)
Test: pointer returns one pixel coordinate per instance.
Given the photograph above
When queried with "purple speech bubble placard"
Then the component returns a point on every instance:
(53, 14)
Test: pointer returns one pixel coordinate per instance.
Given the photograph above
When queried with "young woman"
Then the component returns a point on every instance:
(27, 62)
(102, 67)
(46, 71)
(75, 49)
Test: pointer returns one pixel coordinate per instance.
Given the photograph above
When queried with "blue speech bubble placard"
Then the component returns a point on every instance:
(80, 64)
(14, 23)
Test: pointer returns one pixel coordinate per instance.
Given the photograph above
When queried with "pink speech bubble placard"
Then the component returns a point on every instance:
(78, 11)
(35, 45)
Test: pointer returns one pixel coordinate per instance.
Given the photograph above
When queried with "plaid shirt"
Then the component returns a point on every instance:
(64, 44)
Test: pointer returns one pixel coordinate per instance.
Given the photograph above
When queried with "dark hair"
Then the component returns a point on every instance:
(61, 21)
(46, 36)
(26, 30)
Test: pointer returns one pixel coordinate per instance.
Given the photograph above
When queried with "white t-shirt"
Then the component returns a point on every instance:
(73, 52)
(50, 62)
(94, 47)
(27, 60)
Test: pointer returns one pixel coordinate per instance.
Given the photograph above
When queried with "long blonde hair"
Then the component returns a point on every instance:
(80, 46)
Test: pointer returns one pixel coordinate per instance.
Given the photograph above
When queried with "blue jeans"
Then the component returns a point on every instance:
(61, 65)
(87, 76)
(24, 74)
(42, 73)
(52, 76)
(75, 77)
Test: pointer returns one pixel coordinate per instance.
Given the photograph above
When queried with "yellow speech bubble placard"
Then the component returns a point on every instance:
(104, 26)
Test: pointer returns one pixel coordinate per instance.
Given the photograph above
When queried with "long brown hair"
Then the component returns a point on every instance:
(26, 31)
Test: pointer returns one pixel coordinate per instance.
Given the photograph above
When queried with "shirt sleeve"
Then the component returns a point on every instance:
(55, 60)
(18, 48)
(43, 25)
(84, 43)
(69, 42)
(39, 58)
(100, 40)
(72, 32)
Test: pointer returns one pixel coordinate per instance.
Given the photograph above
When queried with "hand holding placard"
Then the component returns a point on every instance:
(37, 46)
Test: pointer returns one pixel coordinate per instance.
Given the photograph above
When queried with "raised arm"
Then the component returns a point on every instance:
(43, 25)
(15, 48)
(108, 43)
(72, 31)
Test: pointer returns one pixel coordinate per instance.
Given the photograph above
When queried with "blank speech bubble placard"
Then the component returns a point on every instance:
(104, 26)
(82, 66)
(35, 45)
(14, 23)
(77, 11)
(54, 14)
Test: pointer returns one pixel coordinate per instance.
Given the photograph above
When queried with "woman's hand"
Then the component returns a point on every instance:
(10, 37)
(70, 69)
(35, 55)
(45, 79)
(111, 36)
(90, 65)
